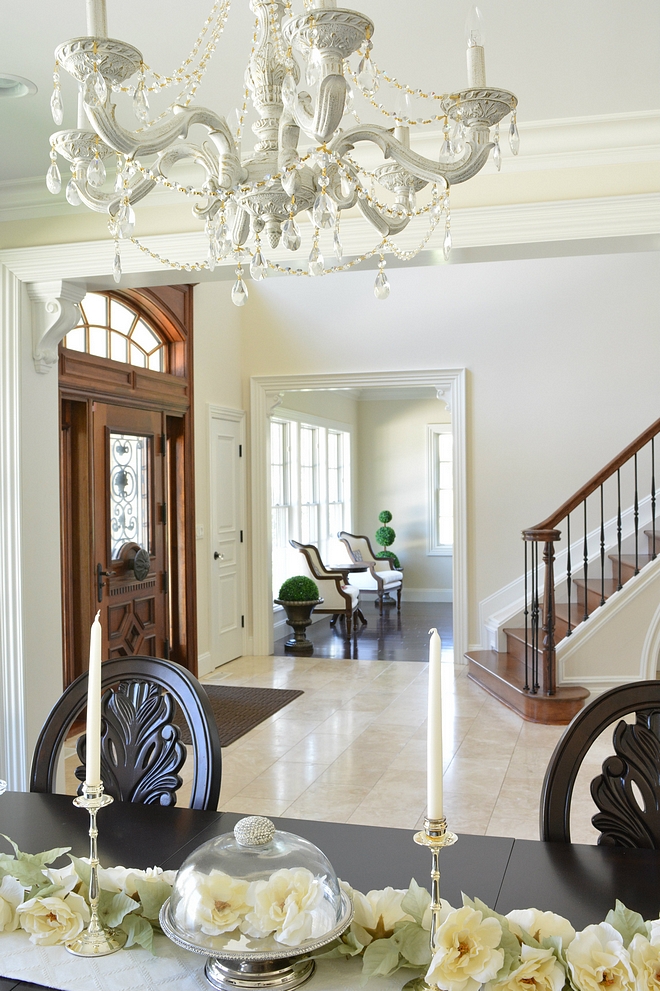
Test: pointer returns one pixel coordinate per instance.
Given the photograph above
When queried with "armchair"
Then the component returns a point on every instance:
(339, 599)
(380, 576)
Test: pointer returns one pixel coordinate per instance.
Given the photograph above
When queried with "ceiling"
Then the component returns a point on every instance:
(565, 59)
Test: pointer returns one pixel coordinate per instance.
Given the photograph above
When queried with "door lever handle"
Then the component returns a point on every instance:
(100, 573)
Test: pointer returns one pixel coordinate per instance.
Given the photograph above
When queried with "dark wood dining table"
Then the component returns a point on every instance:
(576, 881)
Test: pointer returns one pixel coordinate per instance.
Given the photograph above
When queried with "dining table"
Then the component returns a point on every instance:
(577, 881)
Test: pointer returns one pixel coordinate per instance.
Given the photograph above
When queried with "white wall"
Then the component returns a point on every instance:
(562, 358)
(393, 475)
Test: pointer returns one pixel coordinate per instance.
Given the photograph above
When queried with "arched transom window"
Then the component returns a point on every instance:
(109, 328)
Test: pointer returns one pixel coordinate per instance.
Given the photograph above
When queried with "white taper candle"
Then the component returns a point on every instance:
(434, 732)
(97, 24)
(93, 738)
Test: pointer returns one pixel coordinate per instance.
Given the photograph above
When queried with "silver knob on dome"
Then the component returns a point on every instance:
(254, 831)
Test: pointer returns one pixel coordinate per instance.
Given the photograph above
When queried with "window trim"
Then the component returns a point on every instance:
(434, 547)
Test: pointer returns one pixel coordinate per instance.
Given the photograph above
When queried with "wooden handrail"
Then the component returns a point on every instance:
(594, 483)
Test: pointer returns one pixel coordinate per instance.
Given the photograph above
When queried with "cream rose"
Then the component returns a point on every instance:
(598, 960)
(53, 920)
(375, 914)
(219, 903)
(645, 957)
(11, 896)
(290, 905)
(467, 953)
(541, 925)
(539, 970)
(123, 878)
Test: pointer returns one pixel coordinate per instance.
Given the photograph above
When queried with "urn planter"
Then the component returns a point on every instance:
(299, 617)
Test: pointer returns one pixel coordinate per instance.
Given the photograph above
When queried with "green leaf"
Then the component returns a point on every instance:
(346, 946)
(380, 957)
(139, 932)
(625, 921)
(413, 943)
(38, 859)
(115, 907)
(416, 901)
(153, 895)
(28, 874)
(82, 869)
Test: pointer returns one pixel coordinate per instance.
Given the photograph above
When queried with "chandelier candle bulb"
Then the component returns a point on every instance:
(93, 739)
(476, 59)
(97, 22)
(434, 730)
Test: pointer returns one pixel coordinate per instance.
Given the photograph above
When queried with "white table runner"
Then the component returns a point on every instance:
(138, 970)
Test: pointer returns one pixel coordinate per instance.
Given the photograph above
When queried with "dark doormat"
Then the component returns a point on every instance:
(238, 710)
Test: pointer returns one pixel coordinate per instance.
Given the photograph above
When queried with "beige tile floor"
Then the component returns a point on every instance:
(352, 748)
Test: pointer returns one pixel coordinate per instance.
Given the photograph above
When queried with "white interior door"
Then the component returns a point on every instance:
(227, 535)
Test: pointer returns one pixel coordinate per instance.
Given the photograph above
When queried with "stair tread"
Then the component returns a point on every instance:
(510, 670)
(595, 584)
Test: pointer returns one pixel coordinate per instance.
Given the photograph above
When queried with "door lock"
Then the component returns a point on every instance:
(218, 556)
(100, 573)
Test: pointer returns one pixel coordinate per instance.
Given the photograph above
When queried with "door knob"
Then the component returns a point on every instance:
(218, 556)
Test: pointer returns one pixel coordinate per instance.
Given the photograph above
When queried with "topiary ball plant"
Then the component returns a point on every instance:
(299, 589)
(385, 536)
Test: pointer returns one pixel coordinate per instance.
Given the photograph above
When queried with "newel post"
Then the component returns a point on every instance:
(548, 617)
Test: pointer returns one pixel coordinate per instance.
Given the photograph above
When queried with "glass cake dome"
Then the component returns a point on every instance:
(253, 897)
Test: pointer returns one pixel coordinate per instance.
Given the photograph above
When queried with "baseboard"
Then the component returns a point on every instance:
(204, 664)
(427, 594)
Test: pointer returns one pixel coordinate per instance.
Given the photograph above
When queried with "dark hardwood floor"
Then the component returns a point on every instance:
(394, 636)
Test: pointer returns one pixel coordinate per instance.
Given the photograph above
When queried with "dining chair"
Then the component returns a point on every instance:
(627, 793)
(141, 752)
(339, 599)
(380, 575)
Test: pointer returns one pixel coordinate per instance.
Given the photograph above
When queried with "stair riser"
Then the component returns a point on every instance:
(649, 539)
(516, 647)
(534, 708)
(593, 600)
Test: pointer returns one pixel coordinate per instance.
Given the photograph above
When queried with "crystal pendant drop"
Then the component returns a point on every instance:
(325, 212)
(141, 102)
(514, 137)
(96, 172)
(313, 72)
(446, 244)
(411, 201)
(458, 140)
(381, 285)
(366, 77)
(224, 242)
(72, 194)
(497, 156)
(239, 293)
(350, 99)
(291, 238)
(435, 210)
(213, 251)
(339, 248)
(100, 87)
(89, 90)
(126, 220)
(56, 107)
(316, 264)
(116, 268)
(446, 152)
(257, 266)
(53, 179)
(289, 91)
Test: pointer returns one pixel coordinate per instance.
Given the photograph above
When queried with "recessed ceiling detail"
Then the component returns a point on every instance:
(15, 86)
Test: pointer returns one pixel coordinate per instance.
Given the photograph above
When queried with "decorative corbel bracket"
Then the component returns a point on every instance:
(273, 400)
(443, 393)
(54, 313)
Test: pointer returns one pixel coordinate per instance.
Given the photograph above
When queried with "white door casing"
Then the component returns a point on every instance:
(227, 544)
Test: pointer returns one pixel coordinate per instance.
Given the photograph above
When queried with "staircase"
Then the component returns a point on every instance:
(523, 676)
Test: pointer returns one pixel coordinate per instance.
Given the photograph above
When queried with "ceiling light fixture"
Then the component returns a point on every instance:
(15, 86)
(259, 194)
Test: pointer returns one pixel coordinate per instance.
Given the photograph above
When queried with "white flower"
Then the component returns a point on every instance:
(11, 896)
(291, 905)
(375, 914)
(541, 925)
(467, 953)
(598, 960)
(123, 878)
(53, 920)
(538, 968)
(645, 957)
(217, 904)
(66, 879)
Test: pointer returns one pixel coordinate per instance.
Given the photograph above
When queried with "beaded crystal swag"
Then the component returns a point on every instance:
(259, 194)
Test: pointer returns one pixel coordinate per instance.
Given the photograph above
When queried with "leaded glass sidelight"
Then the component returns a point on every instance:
(110, 328)
(130, 456)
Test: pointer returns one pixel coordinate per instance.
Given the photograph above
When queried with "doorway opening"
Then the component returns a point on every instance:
(126, 471)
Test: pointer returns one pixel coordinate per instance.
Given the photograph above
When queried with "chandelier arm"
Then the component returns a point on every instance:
(287, 159)
(186, 151)
(109, 202)
(422, 168)
(334, 188)
(322, 121)
(241, 228)
(130, 143)
(385, 225)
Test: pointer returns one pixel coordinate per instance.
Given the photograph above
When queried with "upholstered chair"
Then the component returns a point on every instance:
(380, 575)
(339, 599)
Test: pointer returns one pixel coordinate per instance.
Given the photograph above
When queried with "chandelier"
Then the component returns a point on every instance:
(249, 202)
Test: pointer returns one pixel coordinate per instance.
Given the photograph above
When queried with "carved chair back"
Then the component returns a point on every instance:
(313, 559)
(141, 750)
(360, 549)
(630, 774)
(330, 583)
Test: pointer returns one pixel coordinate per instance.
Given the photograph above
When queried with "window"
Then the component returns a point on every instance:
(109, 328)
(441, 488)
(310, 490)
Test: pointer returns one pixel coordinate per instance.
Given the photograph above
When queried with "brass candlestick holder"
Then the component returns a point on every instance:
(96, 940)
(436, 836)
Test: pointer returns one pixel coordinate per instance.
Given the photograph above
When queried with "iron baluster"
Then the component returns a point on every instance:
(653, 554)
(602, 548)
(549, 679)
(636, 516)
(535, 655)
(618, 528)
(526, 627)
(568, 571)
(585, 561)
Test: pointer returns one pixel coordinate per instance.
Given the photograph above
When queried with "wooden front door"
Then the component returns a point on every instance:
(129, 531)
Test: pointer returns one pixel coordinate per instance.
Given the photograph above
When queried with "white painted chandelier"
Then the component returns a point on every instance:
(249, 202)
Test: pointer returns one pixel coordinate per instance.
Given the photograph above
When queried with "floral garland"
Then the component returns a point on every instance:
(526, 950)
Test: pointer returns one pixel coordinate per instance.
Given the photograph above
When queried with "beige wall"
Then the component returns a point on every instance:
(393, 475)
